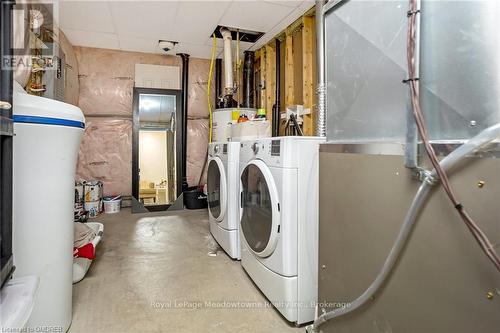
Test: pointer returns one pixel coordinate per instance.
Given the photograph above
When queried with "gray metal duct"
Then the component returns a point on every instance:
(365, 44)
(460, 80)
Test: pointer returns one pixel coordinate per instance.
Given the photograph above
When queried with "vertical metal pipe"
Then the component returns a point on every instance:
(185, 87)
(320, 68)
(6, 78)
(276, 112)
(248, 80)
(411, 146)
(218, 82)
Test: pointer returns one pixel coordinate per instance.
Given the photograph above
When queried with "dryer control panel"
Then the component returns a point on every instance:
(227, 151)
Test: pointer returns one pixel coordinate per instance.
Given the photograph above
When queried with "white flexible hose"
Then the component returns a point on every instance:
(476, 143)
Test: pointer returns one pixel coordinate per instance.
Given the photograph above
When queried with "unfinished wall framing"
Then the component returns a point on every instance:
(297, 71)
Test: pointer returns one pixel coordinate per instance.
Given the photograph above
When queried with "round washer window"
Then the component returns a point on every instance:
(257, 215)
(214, 188)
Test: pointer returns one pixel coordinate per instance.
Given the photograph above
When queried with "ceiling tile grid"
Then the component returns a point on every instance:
(138, 25)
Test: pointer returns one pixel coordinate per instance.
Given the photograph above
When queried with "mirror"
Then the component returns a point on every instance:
(155, 121)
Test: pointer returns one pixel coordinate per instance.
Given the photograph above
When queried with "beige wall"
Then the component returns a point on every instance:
(153, 156)
(106, 81)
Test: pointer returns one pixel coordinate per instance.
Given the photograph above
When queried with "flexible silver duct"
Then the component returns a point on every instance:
(320, 68)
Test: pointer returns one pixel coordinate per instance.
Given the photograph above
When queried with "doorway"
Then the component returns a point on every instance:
(157, 148)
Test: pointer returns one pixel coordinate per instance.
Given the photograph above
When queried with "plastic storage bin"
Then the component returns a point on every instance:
(82, 265)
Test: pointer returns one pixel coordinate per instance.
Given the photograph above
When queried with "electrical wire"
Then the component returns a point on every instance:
(209, 97)
(477, 233)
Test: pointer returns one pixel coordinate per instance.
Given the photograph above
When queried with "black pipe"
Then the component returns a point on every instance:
(185, 87)
(276, 108)
(6, 78)
(218, 82)
(248, 80)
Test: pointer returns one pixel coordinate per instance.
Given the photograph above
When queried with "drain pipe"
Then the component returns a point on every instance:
(276, 108)
(320, 69)
(412, 136)
(218, 82)
(248, 79)
(184, 120)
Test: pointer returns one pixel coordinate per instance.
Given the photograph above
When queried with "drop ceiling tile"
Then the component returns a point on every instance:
(196, 20)
(197, 51)
(254, 15)
(307, 4)
(288, 3)
(92, 39)
(294, 15)
(86, 16)
(243, 45)
(138, 44)
(145, 19)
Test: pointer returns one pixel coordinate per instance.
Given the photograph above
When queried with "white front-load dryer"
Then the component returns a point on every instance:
(279, 221)
(223, 192)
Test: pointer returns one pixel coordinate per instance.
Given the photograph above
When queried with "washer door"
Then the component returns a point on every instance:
(216, 187)
(260, 215)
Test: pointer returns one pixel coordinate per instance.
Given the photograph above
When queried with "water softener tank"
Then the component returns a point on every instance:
(46, 144)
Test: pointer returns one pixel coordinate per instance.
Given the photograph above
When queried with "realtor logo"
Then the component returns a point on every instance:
(35, 36)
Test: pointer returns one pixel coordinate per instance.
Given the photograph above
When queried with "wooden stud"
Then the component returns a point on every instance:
(308, 84)
(270, 80)
(262, 90)
(289, 77)
(299, 70)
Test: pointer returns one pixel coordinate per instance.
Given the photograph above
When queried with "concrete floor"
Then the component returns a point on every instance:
(154, 273)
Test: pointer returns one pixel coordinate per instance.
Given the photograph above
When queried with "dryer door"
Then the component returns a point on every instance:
(216, 188)
(260, 215)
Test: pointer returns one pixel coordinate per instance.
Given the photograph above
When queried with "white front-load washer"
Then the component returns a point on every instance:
(279, 221)
(223, 192)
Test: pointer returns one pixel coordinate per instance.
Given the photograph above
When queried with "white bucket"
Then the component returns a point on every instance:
(112, 205)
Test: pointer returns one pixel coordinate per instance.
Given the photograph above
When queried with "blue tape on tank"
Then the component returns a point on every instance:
(47, 121)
